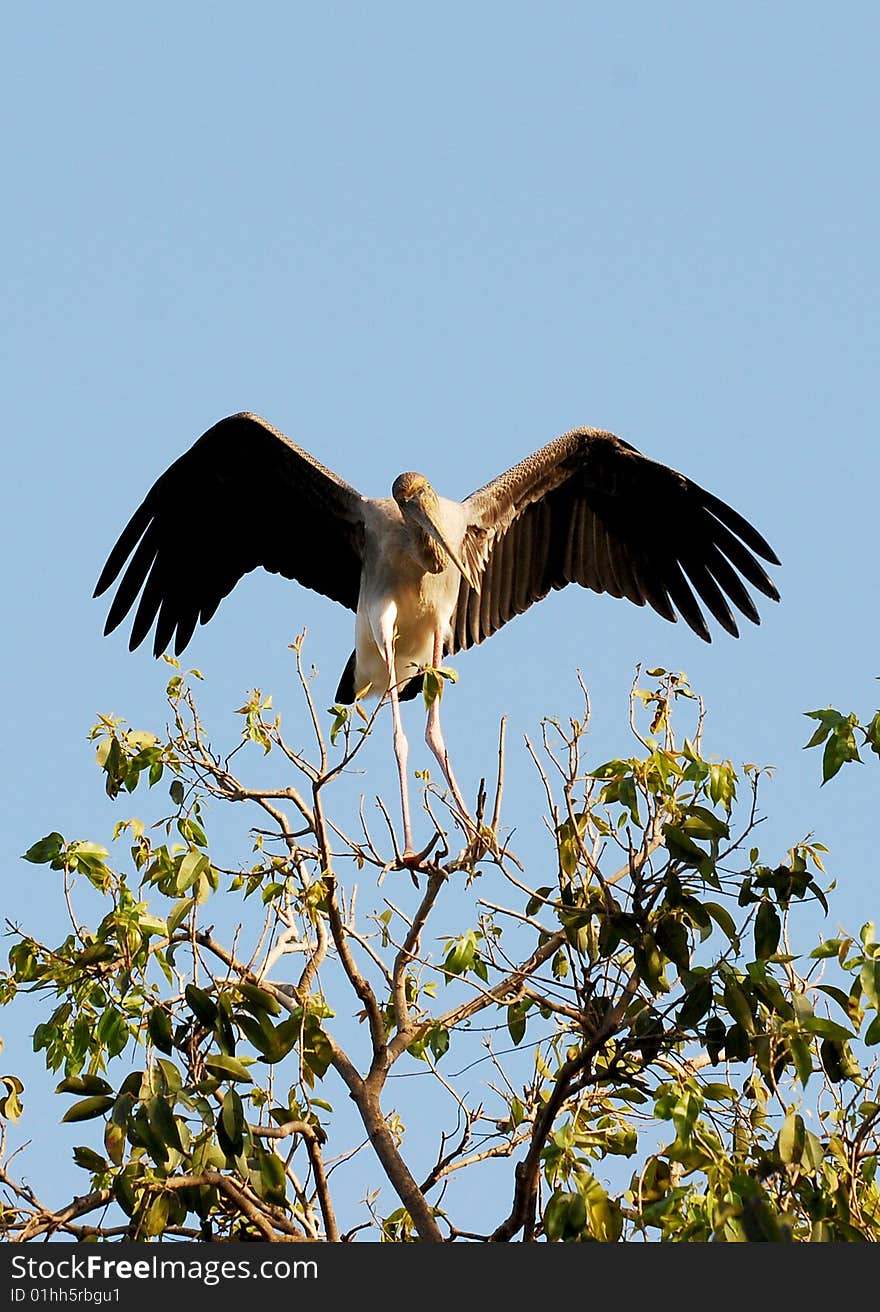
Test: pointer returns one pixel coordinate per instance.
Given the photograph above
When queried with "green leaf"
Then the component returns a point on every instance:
(191, 831)
(178, 914)
(460, 957)
(317, 1050)
(88, 1108)
(828, 719)
(803, 1062)
(872, 1033)
(159, 1029)
(260, 1031)
(564, 1216)
(722, 784)
(112, 1030)
(432, 687)
(283, 1036)
(231, 1124)
(152, 925)
(623, 791)
(701, 823)
(164, 1123)
(737, 1004)
(559, 965)
(95, 953)
(142, 1134)
(813, 1154)
(89, 849)
(273, 1179)
(125, 1101)
(869, 978)
(537, 900)
(768, 990)
(254, 997)
(124, 1190)
(191, 866)
(792, 1138)
(681, 847)
(649, 963)
(89, 1160)
(438, 1041)
(724, 920)
(341, 716)
(156, 1215)
(768, 929)
(10, 1103)
(90, 1084)
(672, 939)
(827, 1029)
(603, 1213)
(201, 1005)
(47, 849)
(228, 1068)
(838, 1061)
(611, 770)
(718, 1092)
(840, 747)
(829, 947)
(649, 1033)
(842, 999)
(872, 733)
(171, 1080)
(697, 1001)
(715, 1034)
(516, 1020)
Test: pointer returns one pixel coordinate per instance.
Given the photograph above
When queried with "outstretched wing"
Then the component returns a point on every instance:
(243, 495)
(589, 508)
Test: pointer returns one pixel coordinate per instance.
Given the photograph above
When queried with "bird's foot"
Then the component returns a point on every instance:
(412, 861)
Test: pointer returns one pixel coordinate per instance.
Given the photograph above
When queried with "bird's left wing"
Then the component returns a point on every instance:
(588, 508)
(243, 495)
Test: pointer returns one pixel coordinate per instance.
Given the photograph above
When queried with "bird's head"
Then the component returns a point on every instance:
(420, 506)
(411, 487)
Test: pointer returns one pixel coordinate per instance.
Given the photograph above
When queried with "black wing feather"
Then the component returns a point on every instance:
(244, 495)
(590, 509)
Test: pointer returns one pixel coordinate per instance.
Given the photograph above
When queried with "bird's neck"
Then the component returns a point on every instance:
(431, 554)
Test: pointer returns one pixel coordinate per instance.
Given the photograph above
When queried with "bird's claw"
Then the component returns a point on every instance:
(412, 861)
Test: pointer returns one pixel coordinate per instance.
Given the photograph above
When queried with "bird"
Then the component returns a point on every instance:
(426, 576)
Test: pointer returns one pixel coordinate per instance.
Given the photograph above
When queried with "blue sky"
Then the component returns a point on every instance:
(415, 238)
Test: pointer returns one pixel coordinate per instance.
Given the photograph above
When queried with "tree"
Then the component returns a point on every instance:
(666, 1063)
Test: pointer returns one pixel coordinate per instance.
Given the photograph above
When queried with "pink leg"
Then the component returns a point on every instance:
(401, 747)
(434, 736)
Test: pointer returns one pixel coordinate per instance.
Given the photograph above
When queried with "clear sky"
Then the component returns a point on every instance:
(433, 238)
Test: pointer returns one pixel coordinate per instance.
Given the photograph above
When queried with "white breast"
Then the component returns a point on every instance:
(399, 593)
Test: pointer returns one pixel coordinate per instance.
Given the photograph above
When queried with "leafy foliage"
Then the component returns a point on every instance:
(667, 1064)
(838, 732)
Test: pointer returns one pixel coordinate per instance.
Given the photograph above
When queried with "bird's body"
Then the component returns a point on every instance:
(426, 576)
(413, 587)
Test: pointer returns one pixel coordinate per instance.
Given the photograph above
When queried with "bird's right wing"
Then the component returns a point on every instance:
(588, 508)
(243, 495)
